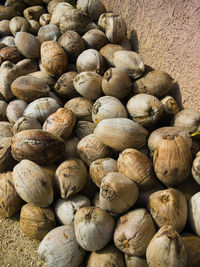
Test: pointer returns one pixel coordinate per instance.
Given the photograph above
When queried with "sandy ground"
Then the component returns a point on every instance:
(17, 250)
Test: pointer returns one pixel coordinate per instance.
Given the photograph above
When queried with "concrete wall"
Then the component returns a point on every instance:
(166, 33)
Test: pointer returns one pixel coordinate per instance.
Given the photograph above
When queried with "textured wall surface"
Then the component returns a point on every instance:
(166, 33)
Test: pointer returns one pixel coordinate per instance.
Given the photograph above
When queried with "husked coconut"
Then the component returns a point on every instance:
(65, 209)
(59, 248)
(118, 193)
(194, 213)
(93, 228)
(100, 167)
(166, 249)
(108, 256)
(71, 177)
(138, 167)
(134, 231)
(168, 207)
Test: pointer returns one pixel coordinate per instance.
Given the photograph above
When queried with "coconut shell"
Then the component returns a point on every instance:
(95, 39)
(93, 228)
(72, 43)
(6, 160)
(84, 128)
(49, 32)
(168, 207)
(53, 58)
(60, 248)
(117, 193)
(19, 24)
(129, 62)
(90, 148)
(7, 12)
(134, 231)
(108, 52)
(158, 134)
(58, 8)
(49, 80)
(28, 45)
(74, 20)
(166, 248)
(196, 168)
(88, 84)
(145, 109)
(64, 86)
(134, 261)
(7, 41)
(10, 54)
(100, 167)
(32, 183)
(37, 145)
(34, 12)
(194, 213)
(156, 82)
(172, 160)
(81, 107)
(27, 66)
(29, 88)
(65, 209)
(51, 4)
(108, 256)
(60, 123)
(94, 8)
(8, 73)
(36, 222)
(6, 129)
(102, 21)
(169, 105)
(15, 110)
(138, 167)
(71, 177)
(45, 19)
(187, 119)
(10, 201)
(107, 107)
(121, 133)
(41, 108)
(4, 28)
(90, 60)
(3, 107)
(192, 244)
(116, 83)
(25, 123)
(115, 28)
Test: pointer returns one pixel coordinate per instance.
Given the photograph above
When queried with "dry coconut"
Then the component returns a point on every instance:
(134, 231)
(93, 228)
(166, 249)
(118, 193)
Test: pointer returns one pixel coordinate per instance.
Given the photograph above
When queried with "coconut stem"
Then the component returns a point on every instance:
(125, 243)
(165, 198)
(88, 216)
(108, 192)
(108, 74)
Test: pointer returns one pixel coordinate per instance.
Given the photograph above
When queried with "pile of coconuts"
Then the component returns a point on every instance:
(96, 155)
